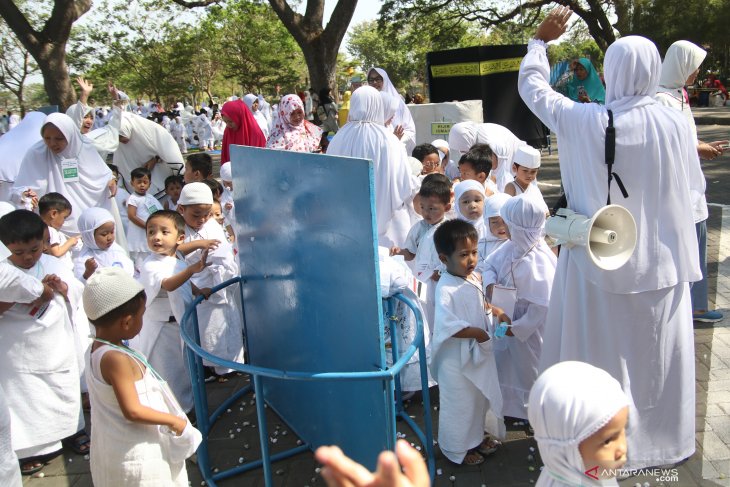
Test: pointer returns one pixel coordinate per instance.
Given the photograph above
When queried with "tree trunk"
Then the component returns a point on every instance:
(56, 81)
(319, 45)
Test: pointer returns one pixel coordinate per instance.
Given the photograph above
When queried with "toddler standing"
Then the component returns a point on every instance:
(462, 361)
(496, 229)
(140, 206)
(98, 232)
(520, 274)
(54, 208)
(141, 436)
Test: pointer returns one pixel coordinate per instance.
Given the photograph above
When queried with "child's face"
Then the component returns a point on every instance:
(191, 176)
(56, 218)
(162, 236)
(471, 204)
(104, 235)
(431, 163)
(433, 209)
(141, 185)
(217, 213)
(173, 191)
(606, 448)
(525, 175)
(195, 216)
(467, 171)
(498, 227)
(25, 254)
(463, 260)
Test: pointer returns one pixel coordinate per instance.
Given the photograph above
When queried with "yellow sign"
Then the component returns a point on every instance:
(483, 68)
(441, 128)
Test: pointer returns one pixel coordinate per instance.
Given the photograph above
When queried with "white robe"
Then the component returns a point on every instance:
(634, 322)
(471, 401)
(160, 340)
(366, 137)
(39, 374)
(41, 171)
(219, 317)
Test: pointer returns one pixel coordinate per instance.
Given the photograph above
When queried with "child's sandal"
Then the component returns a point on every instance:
(489, 446)
(473, 458)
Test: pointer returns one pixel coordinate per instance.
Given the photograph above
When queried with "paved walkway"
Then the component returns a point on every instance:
(517, 464)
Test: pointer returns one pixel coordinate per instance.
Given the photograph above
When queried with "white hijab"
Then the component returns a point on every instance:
(526, 258)
(114, 256)
(403, 115)
(15, 143)
(261, 119)
(492, 207)
(365, 136)
(41, 171)
(631, 66)
(568, 403)
(459, 190)
(501, 140)
(147, 139)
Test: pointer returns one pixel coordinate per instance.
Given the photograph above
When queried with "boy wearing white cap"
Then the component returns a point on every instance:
(525, 167)
(518, 277)
(219, 319)
(141, 435)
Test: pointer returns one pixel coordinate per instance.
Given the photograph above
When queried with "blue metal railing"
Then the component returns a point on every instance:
(205, 421)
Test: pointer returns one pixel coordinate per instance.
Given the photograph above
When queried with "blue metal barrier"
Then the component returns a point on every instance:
(205, 420)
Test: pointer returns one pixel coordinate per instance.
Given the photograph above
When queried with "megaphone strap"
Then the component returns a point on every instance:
(610, 157)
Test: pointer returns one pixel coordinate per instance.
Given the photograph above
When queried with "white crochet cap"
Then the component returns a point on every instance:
(415, 165)
(195, 194)
(527, 156)
(107, 289)
(226, 172)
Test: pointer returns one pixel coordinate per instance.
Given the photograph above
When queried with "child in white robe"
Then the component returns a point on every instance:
(525, 167)
(97, 229)
(54, 208)
(434, 199)
(173, 186)
(38, 373)
(166, 280)
(141, 436)
(579, 413)
(462, 361)
(519, 276)
(495, 226)
(469, 197)
(219, 317)
(140, 206)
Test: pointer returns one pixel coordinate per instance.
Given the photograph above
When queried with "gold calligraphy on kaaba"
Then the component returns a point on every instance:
(482, 68)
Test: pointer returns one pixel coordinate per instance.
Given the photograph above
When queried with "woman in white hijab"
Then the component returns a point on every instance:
(403, 124)
(634, 322)
(500, 139)
(142, 143)
(65, 162)
(680, 67)
(13, 147)
(570, 406)
(365, 136)
(252, 102)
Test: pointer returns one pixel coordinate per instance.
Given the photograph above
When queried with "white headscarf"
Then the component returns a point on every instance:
(15, 143)
(632, 66)
(41, 171)
(390, 107)
(78, 112)
(403, 116)
(459, 190)
(365, 136)
(681, 60)
(249, 99)
(568, 403)
(114, 256)
(261, 119)
(526, 258)
(146, 140)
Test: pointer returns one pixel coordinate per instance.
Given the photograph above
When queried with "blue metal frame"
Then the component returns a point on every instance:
(205, 421)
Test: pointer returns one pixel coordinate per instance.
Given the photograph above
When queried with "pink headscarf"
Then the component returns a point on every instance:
(304, 137)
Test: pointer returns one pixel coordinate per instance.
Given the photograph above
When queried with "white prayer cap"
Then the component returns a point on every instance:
(415, 165)
(107, 289)
(527, 156)
(441, 145)
(568, 403)
(195, 194)
(226, 172)
(494, 204)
